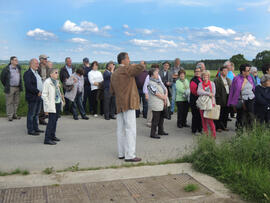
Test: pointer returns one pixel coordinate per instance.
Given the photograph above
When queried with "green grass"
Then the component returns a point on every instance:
(48, 170)
(191, 187)
(15, 172)
(242, 163)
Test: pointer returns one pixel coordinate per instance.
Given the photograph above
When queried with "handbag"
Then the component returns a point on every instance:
(204, 102)
(213, 114)
(166, 113)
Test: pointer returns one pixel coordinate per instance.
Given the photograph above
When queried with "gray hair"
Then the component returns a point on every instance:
(227, 63)
(31, 61)
(199, 65)
(253, 69)
(206, 72)
(265, 78)
(52, 70)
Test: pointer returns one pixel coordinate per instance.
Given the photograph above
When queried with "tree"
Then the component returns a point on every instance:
(262, 59)
(238, 60)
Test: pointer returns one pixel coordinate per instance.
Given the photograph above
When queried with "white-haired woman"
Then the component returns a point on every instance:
(254, 75)
(51, 96)
(207, 87)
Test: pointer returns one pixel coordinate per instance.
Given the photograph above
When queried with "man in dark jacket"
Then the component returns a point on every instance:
(33, 90)
(87, 86)
(140, 82)
(12, 81)
(109, 99)
(223, 85)
(65, 73)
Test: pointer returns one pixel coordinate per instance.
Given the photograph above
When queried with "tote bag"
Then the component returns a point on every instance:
(213, 114)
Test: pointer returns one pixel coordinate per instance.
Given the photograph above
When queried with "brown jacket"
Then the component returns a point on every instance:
(124, 87)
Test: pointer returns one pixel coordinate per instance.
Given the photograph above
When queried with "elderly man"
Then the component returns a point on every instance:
(174, 73)
(87, 86)
(123, 86)
(33, 90)
(201, 66)
(43, 71)
(12, 82)
(109, 100)
(65, 73)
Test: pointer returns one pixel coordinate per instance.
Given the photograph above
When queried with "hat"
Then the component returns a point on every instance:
(86, 60)
(43, 56)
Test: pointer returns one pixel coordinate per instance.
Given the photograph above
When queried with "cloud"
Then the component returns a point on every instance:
(125, 26)
(78, 40)
(128, 33)
(221, 31)
(40, 34)
(84, 27)
(161, 43)
(105, 46)
(145, 31)
(241, 9)
(248, 39)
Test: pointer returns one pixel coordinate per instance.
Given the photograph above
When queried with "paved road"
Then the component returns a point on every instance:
(90, 143)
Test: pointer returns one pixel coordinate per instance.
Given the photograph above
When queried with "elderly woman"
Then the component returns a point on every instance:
(75, 95)
(262, 100)
(51, 96)
(196, 124)
(254, 75)
(158, 101)
(242, 97)
(207, 87)
(182, 87)
(95, 78)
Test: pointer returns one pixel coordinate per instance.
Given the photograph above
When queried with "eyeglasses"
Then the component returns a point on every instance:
(55, 72)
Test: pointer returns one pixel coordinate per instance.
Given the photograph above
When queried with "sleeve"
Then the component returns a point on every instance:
(179, 87)
(259, 97)
(200, 90)
(45, 96)
(164, 87)
(152, 89)
(28, 84)
(91, 78)
(213, 88)
(101, 77)
(69, 81)
(193, 88)
(134, 70)
(111, 86)
(145, 89)
(106, 75)
(3, 77)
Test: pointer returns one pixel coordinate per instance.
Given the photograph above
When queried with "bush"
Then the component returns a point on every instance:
(243, 162)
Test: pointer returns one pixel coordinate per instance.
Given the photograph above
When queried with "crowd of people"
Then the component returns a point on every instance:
(119, 93)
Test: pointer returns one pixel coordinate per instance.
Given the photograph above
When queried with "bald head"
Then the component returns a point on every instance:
(33, 64)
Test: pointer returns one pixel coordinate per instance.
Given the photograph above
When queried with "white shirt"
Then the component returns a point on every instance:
(94, 76)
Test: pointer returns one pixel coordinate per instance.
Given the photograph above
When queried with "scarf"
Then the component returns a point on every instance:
(208, 84)
(159, 83)
(57, 91)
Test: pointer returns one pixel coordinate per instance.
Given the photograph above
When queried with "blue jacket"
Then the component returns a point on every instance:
(107, 79)
(30, 83)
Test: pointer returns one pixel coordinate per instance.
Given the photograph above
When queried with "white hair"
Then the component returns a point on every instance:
(200, 64)
(253, 69)
(227, 63)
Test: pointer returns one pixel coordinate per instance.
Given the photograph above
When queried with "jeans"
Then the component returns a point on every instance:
(173, 96)
(32, 115)
(52, 123)
(109, 104)
(145, 104)
(87, 96)
(78, 103)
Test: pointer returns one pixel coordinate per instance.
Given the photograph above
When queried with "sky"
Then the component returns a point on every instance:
(146, 29)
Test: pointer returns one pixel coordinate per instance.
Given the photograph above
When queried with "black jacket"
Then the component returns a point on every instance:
(221, 94)
(262, 100)
(30, 83)
(64, 75)
(85, 75)
(5, 78)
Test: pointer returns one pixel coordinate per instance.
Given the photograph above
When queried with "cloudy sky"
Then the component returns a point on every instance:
(146, 29)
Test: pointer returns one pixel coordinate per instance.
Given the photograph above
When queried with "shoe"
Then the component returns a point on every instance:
(145, 117)
(179, 126)
(112, 117)
(95, 115)
(10, 119)
(39, 131)
(106, 118)
(42, 122)
(55, 139)
(16, 117)
(171, 113)
(121, 157)
(75, 118)
(136, 159)
(186, 125)
(163, 133)
(155, 137)
(219, 130)
(33, 133)
(85, 118)
(50, 142)
(226, 129)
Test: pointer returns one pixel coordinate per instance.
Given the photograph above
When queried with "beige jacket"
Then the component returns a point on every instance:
(48, 96)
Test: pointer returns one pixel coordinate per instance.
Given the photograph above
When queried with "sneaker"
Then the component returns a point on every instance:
(95, 115)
